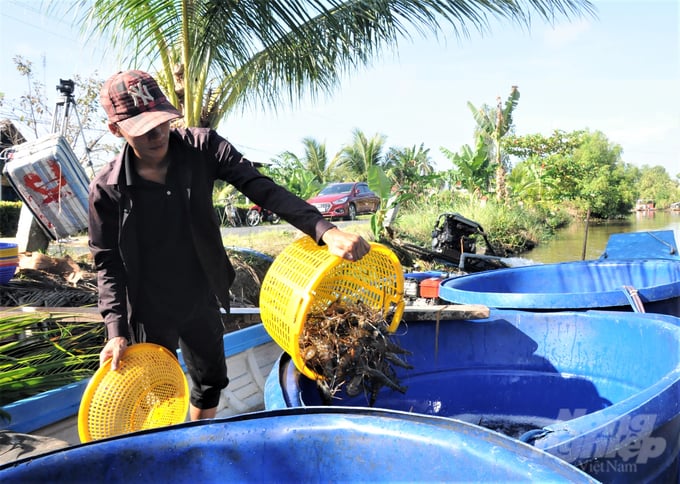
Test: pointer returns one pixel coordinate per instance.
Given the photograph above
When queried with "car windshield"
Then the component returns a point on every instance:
(335, 189)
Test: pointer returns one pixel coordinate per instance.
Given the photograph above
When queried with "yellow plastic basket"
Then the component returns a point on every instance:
(148, 390)
(306, 278)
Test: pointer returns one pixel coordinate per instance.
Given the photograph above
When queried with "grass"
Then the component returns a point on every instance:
(272, 242)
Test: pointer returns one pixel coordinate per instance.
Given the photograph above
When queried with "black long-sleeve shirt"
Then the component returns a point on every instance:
(200, 157)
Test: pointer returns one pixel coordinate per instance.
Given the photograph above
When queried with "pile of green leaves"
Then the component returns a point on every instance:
(40, 352)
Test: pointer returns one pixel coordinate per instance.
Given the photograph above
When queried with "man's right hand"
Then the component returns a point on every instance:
(114, 349)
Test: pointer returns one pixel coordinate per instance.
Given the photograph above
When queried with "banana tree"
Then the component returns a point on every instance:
(391, 197)
(472, 167)
(290, 171)
(494, 125)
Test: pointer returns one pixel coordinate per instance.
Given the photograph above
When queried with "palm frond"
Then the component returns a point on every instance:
(39, 352)
(250, 52)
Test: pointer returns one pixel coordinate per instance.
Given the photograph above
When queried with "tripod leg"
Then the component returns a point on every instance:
(63, 111)
(82, 135)
(224, 217)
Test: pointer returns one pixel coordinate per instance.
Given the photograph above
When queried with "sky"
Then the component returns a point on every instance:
(618, 73)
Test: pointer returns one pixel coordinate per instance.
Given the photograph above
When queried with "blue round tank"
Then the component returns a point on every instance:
(302, 445)
(601, 284)
(599, 389)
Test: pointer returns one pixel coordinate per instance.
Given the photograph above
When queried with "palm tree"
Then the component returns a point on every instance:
(363, 153)
(316, 161)
(407, 166)
(215, 56)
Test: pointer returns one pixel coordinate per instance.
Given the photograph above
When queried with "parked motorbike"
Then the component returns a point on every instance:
(257, 215)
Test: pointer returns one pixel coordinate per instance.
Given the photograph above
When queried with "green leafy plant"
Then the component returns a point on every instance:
(390, 198)
(40, 352)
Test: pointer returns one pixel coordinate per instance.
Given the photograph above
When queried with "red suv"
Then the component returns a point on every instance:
(345, 200)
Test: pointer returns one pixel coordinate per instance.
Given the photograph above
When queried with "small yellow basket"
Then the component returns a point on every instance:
(305, 278)
(149, 390)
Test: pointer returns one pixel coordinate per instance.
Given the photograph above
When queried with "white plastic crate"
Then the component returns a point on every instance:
(46, 174)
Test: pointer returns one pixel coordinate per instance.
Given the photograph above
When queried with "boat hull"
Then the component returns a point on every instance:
(250, 354)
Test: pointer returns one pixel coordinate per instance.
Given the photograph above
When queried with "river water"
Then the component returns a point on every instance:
(569, 243)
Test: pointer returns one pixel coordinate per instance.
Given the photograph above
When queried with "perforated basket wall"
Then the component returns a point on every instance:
(306, 278)
(148, 390)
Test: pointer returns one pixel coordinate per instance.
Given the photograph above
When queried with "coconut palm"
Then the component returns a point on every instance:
(407, 166)
(361, 154)
(316, 161)
(213, 57)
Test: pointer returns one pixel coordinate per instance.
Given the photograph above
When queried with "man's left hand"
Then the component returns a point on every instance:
(345, 244)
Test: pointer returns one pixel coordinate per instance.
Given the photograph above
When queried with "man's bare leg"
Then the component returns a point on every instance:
(200, 414)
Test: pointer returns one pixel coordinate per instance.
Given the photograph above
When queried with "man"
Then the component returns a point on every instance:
(163, 272)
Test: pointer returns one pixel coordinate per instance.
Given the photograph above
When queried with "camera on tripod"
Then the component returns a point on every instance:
(66, 87)
(66, 106)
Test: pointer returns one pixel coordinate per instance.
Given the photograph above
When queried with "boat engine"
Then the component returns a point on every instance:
(454, 234)
(454, 240)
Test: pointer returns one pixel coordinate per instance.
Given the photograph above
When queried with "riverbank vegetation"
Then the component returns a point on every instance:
(520, 189)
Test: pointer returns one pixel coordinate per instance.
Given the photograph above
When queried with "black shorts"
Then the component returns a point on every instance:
(199, 336)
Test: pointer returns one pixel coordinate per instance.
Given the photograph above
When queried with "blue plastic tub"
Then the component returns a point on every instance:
(574, 286)
(650, 244)
(597, 389)
(9, 261)
(295, 445)
(421, 276)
